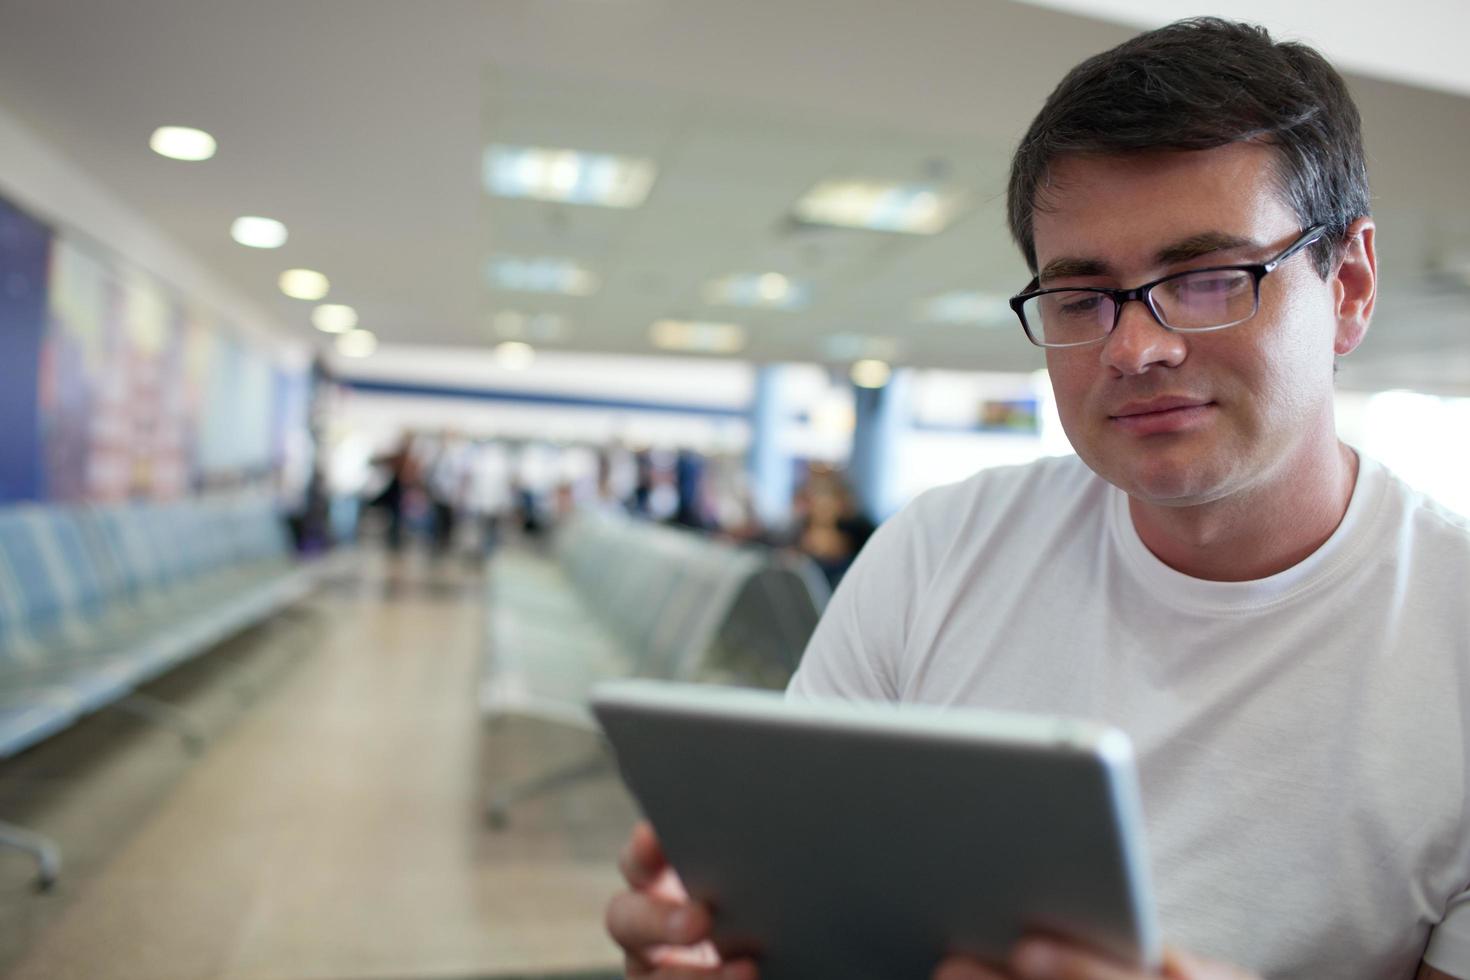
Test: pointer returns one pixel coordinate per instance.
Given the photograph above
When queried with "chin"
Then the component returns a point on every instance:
(1161, 480)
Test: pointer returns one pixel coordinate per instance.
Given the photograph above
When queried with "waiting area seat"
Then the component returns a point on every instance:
(96, 601)
(620, 597)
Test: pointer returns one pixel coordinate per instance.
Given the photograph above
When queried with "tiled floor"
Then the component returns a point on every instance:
(334, 827)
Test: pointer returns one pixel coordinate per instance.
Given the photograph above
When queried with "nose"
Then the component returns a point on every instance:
(1140, 342)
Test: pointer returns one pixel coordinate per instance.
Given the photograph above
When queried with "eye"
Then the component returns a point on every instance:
(1208, 285)
(1081, 304)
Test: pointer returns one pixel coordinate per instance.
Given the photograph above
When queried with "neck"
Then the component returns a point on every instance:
(1257, 532)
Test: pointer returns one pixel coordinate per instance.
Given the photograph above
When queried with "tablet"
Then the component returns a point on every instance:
(858, 840)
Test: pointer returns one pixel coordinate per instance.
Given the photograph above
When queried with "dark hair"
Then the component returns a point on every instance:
(1194, 85)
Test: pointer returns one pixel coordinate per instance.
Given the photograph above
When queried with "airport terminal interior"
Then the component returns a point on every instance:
(378, 376)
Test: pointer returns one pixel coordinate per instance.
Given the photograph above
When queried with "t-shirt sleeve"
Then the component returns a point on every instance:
(1449, 942)
(854, 652)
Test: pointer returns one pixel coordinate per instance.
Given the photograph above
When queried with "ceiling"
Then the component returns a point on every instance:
(361, 124)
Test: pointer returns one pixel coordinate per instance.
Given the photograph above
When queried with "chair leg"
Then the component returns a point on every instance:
(588, 767)
(165, 715)
(45, 850)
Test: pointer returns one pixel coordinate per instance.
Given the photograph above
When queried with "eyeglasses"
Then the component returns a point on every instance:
(1196, 301)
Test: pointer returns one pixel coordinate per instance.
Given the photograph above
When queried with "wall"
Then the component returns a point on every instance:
(126, 369)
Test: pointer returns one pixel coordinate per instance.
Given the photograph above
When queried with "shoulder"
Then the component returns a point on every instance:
(1047, 479)
(1007, 493)
(1432, 530)
(1027, 501)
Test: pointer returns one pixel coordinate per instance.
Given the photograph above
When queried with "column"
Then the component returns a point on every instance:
(882, 415)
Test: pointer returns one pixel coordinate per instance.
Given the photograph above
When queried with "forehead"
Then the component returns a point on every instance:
(1127, 206)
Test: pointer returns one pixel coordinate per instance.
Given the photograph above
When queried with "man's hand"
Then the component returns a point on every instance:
(1044, 959)
(664, 936)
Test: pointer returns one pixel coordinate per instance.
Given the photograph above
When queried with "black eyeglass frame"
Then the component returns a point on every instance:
(1143, 293)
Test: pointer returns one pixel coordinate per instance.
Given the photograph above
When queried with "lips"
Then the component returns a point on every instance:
(1155, 416)
(1155, 405)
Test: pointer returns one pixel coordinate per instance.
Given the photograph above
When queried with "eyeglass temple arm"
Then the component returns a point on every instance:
(1310, 237)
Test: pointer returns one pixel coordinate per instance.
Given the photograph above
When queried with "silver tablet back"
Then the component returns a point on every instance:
(837, 840)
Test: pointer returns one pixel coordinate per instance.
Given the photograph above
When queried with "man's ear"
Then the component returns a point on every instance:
(1355, 286)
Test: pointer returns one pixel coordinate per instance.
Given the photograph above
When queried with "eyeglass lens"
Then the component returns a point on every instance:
(1190, 301)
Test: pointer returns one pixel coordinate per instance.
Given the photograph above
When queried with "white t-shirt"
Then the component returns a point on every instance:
(1301, 739)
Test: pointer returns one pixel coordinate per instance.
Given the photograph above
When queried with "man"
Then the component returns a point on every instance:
(1279, 624)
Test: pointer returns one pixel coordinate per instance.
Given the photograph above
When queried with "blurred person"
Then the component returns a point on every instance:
(831, 528)
(403, 470)
(1276, 620)
(447, 483)
(692, 509)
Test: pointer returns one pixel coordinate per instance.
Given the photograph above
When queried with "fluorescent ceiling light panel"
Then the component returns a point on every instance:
(540, 275)
(258, 232)
(304, 284)
(698, 336)
(871, 374)
(357, 343)
(182, 143)
(967, 306)
(769, 290)
(568, 176)
(334, 318)
(915, 209)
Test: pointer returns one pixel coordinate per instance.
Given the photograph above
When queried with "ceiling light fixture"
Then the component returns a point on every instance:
(871, 373)
(334, 318)
(357, 343)
(182, 143)
(514, 355)
(769, 290)
(915, 209)
(541, 275)
(567, 176)
(699, 336)
(304, 284)
(258, 232)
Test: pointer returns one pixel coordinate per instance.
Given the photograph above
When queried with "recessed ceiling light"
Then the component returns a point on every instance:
(769, 290)
(916, 209)
(182, 143)
(357, 343)
(334, 318)
(694, 335)
(540, 275)
(304, 284)
(568, 176)
(514, 355)
(258, 232)
(967, 306)
(871, 374)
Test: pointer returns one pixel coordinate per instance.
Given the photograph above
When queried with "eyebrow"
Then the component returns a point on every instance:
(1193, 247)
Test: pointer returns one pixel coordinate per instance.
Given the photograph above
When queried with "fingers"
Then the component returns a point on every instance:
(965, 968)
(738, 970)
(637, 922)
(1179, 965)
(642, 859)
(1040, 959)
(660, 930)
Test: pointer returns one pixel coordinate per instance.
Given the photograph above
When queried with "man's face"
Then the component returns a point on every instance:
(1182, 419)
